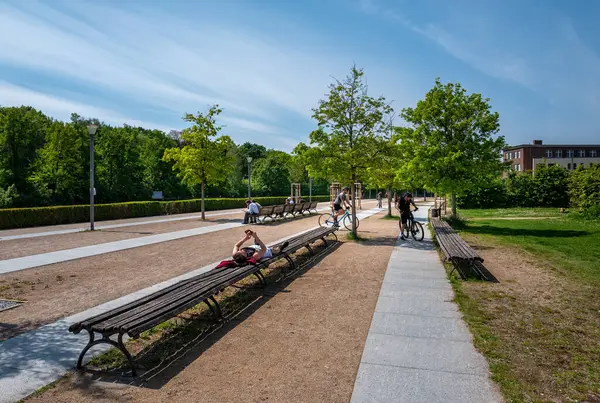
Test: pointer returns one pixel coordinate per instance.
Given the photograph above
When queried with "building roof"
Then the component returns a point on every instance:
(551, 146)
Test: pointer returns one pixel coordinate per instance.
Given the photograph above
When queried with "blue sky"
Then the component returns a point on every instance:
(268, 62)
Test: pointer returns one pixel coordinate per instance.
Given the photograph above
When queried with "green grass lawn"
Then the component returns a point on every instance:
(511, 212)
(539, 327)
(568, 245)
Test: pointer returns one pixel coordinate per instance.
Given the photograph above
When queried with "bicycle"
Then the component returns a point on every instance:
(327, 220)
(412, 227)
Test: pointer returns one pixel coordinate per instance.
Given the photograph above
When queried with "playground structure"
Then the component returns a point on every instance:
(358, 193)
(295, 192)
(335, 188)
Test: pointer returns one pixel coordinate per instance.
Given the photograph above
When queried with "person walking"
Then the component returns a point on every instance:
(379, 199)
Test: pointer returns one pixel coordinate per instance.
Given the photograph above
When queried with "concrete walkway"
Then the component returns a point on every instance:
(43, 259)
(37, 358)
(418, 348)
(7, 235)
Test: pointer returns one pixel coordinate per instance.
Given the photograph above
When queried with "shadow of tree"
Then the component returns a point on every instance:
(503, 231)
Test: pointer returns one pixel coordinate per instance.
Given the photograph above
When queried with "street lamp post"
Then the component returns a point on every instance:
(249, 159)
(92, 132)
(310, 189)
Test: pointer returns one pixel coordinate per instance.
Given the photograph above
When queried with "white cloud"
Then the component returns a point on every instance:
(538, 48)
(61, 108)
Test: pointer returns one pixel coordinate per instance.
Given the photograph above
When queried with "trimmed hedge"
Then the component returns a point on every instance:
(56, 215)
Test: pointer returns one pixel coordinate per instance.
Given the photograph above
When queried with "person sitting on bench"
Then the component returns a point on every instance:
(252, 212)
(253, 253)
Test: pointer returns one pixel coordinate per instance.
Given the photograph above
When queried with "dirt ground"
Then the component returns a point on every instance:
(59, 290)
(10, 249)
(303, 344)
(32, 246)
(547, 325)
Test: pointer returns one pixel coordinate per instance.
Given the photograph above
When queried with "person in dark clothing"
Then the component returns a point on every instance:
(403, 205)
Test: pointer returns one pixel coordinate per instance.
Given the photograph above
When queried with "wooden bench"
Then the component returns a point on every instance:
(464, 258)
(143, 314)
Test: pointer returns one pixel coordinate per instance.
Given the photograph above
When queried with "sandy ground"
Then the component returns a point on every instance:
(58, 290)
(31, 246)
(32, 230)
(303, 344)
(15, 248)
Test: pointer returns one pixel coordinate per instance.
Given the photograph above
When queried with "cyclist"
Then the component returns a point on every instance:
(403, 205)
(338, 205)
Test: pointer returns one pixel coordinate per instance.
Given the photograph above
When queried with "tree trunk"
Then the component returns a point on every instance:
(202, 201)
(353, 204)
(453, 201)
(389, 197)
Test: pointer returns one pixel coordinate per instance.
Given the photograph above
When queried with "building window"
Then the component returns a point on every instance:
(518, 154)
(574, 165)
(581, 153)
(569, 166)
(593, 153)
(519, 167)
(506, 156)
(558, 153)
(570, 153)
(548, 153)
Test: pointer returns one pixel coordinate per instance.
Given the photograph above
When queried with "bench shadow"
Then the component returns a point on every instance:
(156, 376)
(270, 223)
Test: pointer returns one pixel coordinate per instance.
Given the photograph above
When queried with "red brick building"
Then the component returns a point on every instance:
(526, 157)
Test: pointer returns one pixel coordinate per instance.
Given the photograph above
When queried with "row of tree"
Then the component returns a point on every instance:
(46, 162)
(448, 144)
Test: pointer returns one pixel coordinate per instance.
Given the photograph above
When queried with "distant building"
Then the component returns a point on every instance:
(526, 157)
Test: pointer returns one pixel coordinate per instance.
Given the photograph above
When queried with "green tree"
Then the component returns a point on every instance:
(450, 143)
(271, 174)
(158, 174)
(384, 171)
(59, 165)
(204, 159)
(551, 184)
(584, 186)
(350, 125)
(22, 133)
(119, 171)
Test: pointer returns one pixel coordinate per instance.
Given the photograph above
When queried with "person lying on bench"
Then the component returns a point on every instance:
(253, 253)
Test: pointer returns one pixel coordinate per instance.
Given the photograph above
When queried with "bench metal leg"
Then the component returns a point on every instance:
(290, 261)
(307, 246)
(215, 308)
(261, 278)
(106, 340)
(324, 241)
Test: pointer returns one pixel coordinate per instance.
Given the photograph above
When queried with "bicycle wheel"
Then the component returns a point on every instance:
(405, 227)
(417, 231)
(348, 222)
(325, 220)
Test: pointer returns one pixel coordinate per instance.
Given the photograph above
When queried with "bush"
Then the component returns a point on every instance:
(493, 195)
(592, 213)
(56, 215)
(584, 187)
(551, 185)
(8, 196)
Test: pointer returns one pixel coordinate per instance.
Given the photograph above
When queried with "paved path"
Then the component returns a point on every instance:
(7, 235)
(43, 259)
(418, 348)
(37, 358)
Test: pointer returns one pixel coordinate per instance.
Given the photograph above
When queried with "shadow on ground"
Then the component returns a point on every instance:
(542, 233)
(192, 343)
